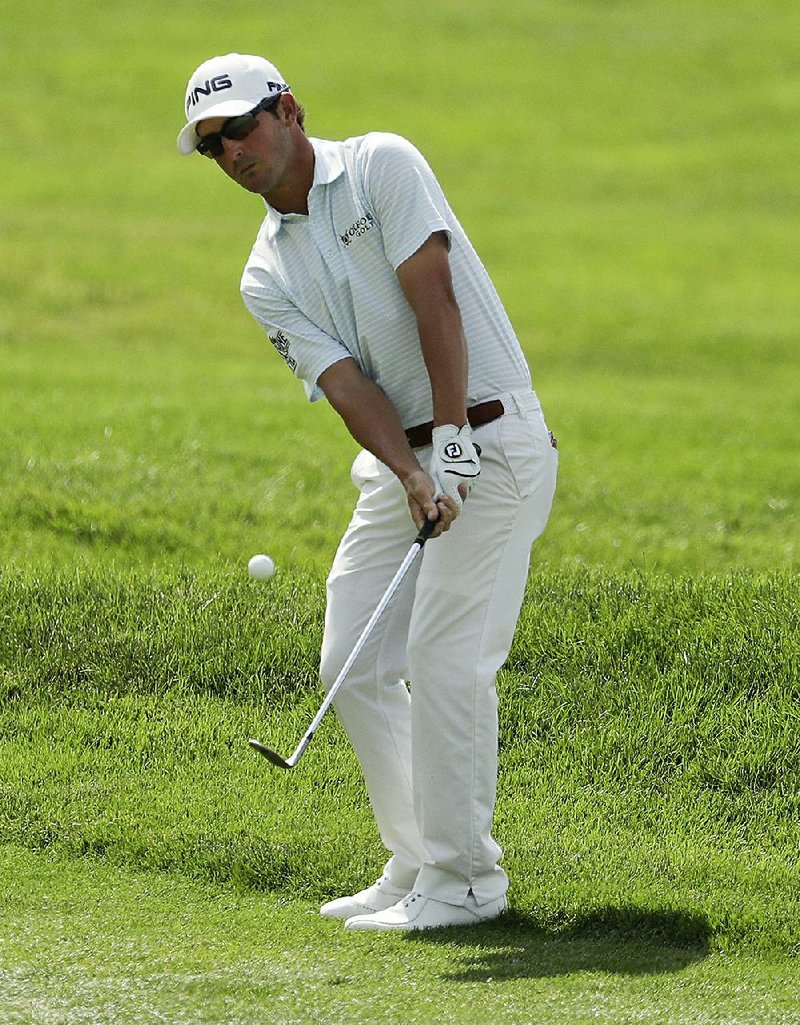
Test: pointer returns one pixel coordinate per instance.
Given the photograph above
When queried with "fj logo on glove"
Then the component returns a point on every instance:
(453, 450)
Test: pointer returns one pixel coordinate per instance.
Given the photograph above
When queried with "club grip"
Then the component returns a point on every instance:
(425, 531)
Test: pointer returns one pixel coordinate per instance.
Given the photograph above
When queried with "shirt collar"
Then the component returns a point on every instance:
(328, 162)
(328, 166)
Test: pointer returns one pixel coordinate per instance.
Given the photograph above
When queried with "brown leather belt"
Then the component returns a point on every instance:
(477, 416)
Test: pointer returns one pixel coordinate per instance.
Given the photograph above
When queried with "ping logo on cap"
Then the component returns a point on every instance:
(211, 85)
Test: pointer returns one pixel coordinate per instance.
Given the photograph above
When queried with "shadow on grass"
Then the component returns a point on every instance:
(613, 940)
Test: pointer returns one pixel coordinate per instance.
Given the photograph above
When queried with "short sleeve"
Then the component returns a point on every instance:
(404, 194)
(306, 349)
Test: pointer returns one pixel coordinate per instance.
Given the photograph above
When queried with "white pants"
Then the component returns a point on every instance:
(429, 756)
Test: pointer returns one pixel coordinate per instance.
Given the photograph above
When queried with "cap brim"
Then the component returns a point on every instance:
(187, 138)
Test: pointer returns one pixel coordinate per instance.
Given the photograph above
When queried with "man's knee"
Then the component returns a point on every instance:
(332, 658)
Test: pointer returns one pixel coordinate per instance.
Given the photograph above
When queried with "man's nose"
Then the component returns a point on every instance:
(233, 147)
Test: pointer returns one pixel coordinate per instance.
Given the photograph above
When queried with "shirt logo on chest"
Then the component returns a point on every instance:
(357, 229)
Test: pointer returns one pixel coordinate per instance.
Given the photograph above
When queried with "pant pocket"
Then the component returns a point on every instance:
(365, 468)
(526, 447)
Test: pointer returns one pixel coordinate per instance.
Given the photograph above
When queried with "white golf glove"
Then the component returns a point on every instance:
(455, 460)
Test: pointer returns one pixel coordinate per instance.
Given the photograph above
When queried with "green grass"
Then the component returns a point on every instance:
(628, 171)
(93, 943)
(87, 942)
(634, 196)
(649, 746)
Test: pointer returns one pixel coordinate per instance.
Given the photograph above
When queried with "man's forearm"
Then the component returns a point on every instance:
(369, 416)
(444, 350)
(427, 284)
(373, 422)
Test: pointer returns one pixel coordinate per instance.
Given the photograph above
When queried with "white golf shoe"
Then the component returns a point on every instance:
(418, 912)
(378, 897)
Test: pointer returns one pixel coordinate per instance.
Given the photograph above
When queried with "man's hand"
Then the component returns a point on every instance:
(455, 462)
(421, 493)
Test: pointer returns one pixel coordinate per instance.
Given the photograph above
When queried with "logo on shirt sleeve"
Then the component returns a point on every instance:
(281, 343)
(358, 228)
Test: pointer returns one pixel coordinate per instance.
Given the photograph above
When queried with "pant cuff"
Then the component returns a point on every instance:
(439, 884)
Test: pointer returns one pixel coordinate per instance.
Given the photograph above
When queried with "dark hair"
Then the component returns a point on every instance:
(270, 108)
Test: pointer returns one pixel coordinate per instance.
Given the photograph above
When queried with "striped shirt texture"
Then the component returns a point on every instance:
(323, 286)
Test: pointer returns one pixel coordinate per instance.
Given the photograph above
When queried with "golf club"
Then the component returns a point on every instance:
(290, 762)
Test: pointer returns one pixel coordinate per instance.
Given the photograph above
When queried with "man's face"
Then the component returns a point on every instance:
(260, 161)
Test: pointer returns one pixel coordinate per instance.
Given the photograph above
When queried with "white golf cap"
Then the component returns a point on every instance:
(226, 87)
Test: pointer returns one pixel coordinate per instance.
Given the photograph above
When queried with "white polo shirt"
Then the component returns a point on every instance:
(324, 288)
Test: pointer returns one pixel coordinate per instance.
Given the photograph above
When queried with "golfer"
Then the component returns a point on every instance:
(368, 288)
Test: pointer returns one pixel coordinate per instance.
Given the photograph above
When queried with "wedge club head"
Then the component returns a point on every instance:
(271, 756)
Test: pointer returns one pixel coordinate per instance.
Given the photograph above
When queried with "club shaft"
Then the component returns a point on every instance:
(425, 532)
(397, 579)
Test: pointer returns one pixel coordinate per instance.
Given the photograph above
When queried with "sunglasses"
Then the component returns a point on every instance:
(239, 127)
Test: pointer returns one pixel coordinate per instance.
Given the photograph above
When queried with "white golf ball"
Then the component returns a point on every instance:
(261, 567)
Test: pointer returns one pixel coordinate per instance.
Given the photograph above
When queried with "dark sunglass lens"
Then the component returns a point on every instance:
(211, 145)
(239, 127)
(236, 128)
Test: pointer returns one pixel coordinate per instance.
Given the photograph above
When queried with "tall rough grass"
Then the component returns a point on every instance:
(649, 746)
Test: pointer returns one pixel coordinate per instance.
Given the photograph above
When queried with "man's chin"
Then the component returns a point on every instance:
(250, 179)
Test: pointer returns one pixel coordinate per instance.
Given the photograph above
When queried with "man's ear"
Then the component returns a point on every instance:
(287, 109)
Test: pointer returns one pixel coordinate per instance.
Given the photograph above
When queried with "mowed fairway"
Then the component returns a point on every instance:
(629, 173)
